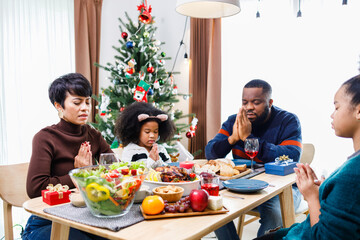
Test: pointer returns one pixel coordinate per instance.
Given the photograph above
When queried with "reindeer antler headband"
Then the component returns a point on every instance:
(161, 117)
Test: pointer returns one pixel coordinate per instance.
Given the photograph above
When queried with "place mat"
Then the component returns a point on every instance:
(83, 215)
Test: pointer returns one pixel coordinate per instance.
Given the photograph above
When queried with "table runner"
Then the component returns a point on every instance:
(83, 215)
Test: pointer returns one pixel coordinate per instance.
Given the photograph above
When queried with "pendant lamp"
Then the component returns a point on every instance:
(208, 8)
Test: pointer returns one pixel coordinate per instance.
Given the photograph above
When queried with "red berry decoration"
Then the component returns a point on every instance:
(150, 69)
(124, 35)
(189, 134)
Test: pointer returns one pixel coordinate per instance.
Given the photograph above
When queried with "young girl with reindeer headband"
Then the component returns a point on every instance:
(139, 127)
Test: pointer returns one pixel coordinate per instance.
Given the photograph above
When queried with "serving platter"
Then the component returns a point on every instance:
(188, 213)
(246, 172)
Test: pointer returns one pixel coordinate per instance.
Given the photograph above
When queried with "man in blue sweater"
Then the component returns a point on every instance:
(278, 132)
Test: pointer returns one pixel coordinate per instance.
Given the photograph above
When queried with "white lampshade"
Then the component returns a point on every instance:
(208, 8)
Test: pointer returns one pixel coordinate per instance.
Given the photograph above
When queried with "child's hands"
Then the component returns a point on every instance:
(84, 157)
(154, 152)
(307, 182)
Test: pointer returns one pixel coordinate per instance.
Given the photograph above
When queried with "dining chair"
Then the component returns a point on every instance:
(12, 192)
(307, 156)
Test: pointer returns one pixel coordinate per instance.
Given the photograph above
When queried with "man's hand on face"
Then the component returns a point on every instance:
(241, 127)
(244, 129)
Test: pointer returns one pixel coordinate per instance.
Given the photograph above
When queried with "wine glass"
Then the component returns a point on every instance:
(108, 158)
(251, 149)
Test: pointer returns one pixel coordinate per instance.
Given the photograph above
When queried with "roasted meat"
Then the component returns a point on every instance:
(172, 173)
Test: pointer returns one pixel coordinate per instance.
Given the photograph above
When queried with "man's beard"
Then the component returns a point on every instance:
(261, 119)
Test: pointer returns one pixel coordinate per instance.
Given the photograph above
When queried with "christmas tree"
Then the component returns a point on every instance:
(139, 74)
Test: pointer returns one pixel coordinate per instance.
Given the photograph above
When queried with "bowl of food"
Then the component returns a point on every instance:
(109, 190)
(169, 193)
(172, 175)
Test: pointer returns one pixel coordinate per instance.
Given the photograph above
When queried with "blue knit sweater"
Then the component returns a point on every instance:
(280, 135)
(340, 207)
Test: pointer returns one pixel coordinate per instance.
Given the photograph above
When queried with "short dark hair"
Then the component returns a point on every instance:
(127, 127)
(74, 83)
(352, 87)
(258, 83)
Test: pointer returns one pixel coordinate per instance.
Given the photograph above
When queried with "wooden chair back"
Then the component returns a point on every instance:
(308, 153)
(12, 192)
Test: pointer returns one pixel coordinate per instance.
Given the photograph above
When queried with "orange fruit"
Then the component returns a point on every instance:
(153, 205)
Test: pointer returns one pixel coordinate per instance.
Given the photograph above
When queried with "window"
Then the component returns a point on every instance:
(36, 46)
(305, 60)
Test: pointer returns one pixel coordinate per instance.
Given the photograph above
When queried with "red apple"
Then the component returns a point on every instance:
(198, 200)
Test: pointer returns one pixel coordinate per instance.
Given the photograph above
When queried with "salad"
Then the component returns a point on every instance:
(110, 190)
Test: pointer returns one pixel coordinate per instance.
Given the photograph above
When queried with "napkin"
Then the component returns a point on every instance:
(83, 215)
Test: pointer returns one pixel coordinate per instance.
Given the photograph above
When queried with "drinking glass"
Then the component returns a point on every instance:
(251, 149)
(108, 158)
(210, 184)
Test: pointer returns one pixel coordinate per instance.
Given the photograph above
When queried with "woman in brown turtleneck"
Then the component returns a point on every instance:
(64, 146)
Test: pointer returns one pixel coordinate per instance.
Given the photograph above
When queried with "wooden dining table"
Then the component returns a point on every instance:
(194, 227)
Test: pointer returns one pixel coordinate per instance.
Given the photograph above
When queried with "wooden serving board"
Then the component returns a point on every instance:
(188, 213)
(246, 172)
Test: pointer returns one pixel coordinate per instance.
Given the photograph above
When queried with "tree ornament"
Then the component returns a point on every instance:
(157, 42)
(145, 16)
(122, 109)
(124, 35)
(150, 92)
(150, 69)
(161, 81)
(175, 90)
(163, 54)
(127, 75)
(191, 132)
(141, 91)
(130, 70)
(132, 63)
(156, 84)
(105, 100)
(146, 34)
(185, 97)
(161, 62)
(141, 75)
(129, 44)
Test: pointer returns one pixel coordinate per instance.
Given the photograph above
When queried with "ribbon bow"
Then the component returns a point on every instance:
(57, 188)
(161, 117)
(283, 160)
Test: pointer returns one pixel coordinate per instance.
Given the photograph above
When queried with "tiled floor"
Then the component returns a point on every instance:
(250, 230)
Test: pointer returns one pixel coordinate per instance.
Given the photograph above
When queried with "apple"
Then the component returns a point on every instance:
(198, 200)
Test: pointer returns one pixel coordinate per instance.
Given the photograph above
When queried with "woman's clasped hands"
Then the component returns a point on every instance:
(307, 181)
(84, 157)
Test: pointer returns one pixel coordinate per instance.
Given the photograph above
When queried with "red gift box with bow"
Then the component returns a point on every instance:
(56, 194)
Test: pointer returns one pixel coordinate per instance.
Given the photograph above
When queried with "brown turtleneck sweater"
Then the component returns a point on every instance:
(53, 151)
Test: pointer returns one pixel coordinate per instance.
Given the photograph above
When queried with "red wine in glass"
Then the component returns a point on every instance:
(211, 188)
(251, 149)
(251, 154)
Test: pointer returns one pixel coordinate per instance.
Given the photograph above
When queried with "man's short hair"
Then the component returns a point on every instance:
(258, 83)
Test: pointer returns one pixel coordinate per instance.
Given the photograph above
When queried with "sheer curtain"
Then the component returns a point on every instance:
(304, 59)
(36, 46)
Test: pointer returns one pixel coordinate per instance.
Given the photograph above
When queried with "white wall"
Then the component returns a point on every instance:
(304, 59)
(170, 30)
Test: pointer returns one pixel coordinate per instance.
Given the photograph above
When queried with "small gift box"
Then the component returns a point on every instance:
(56, 194)
(280, 167)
